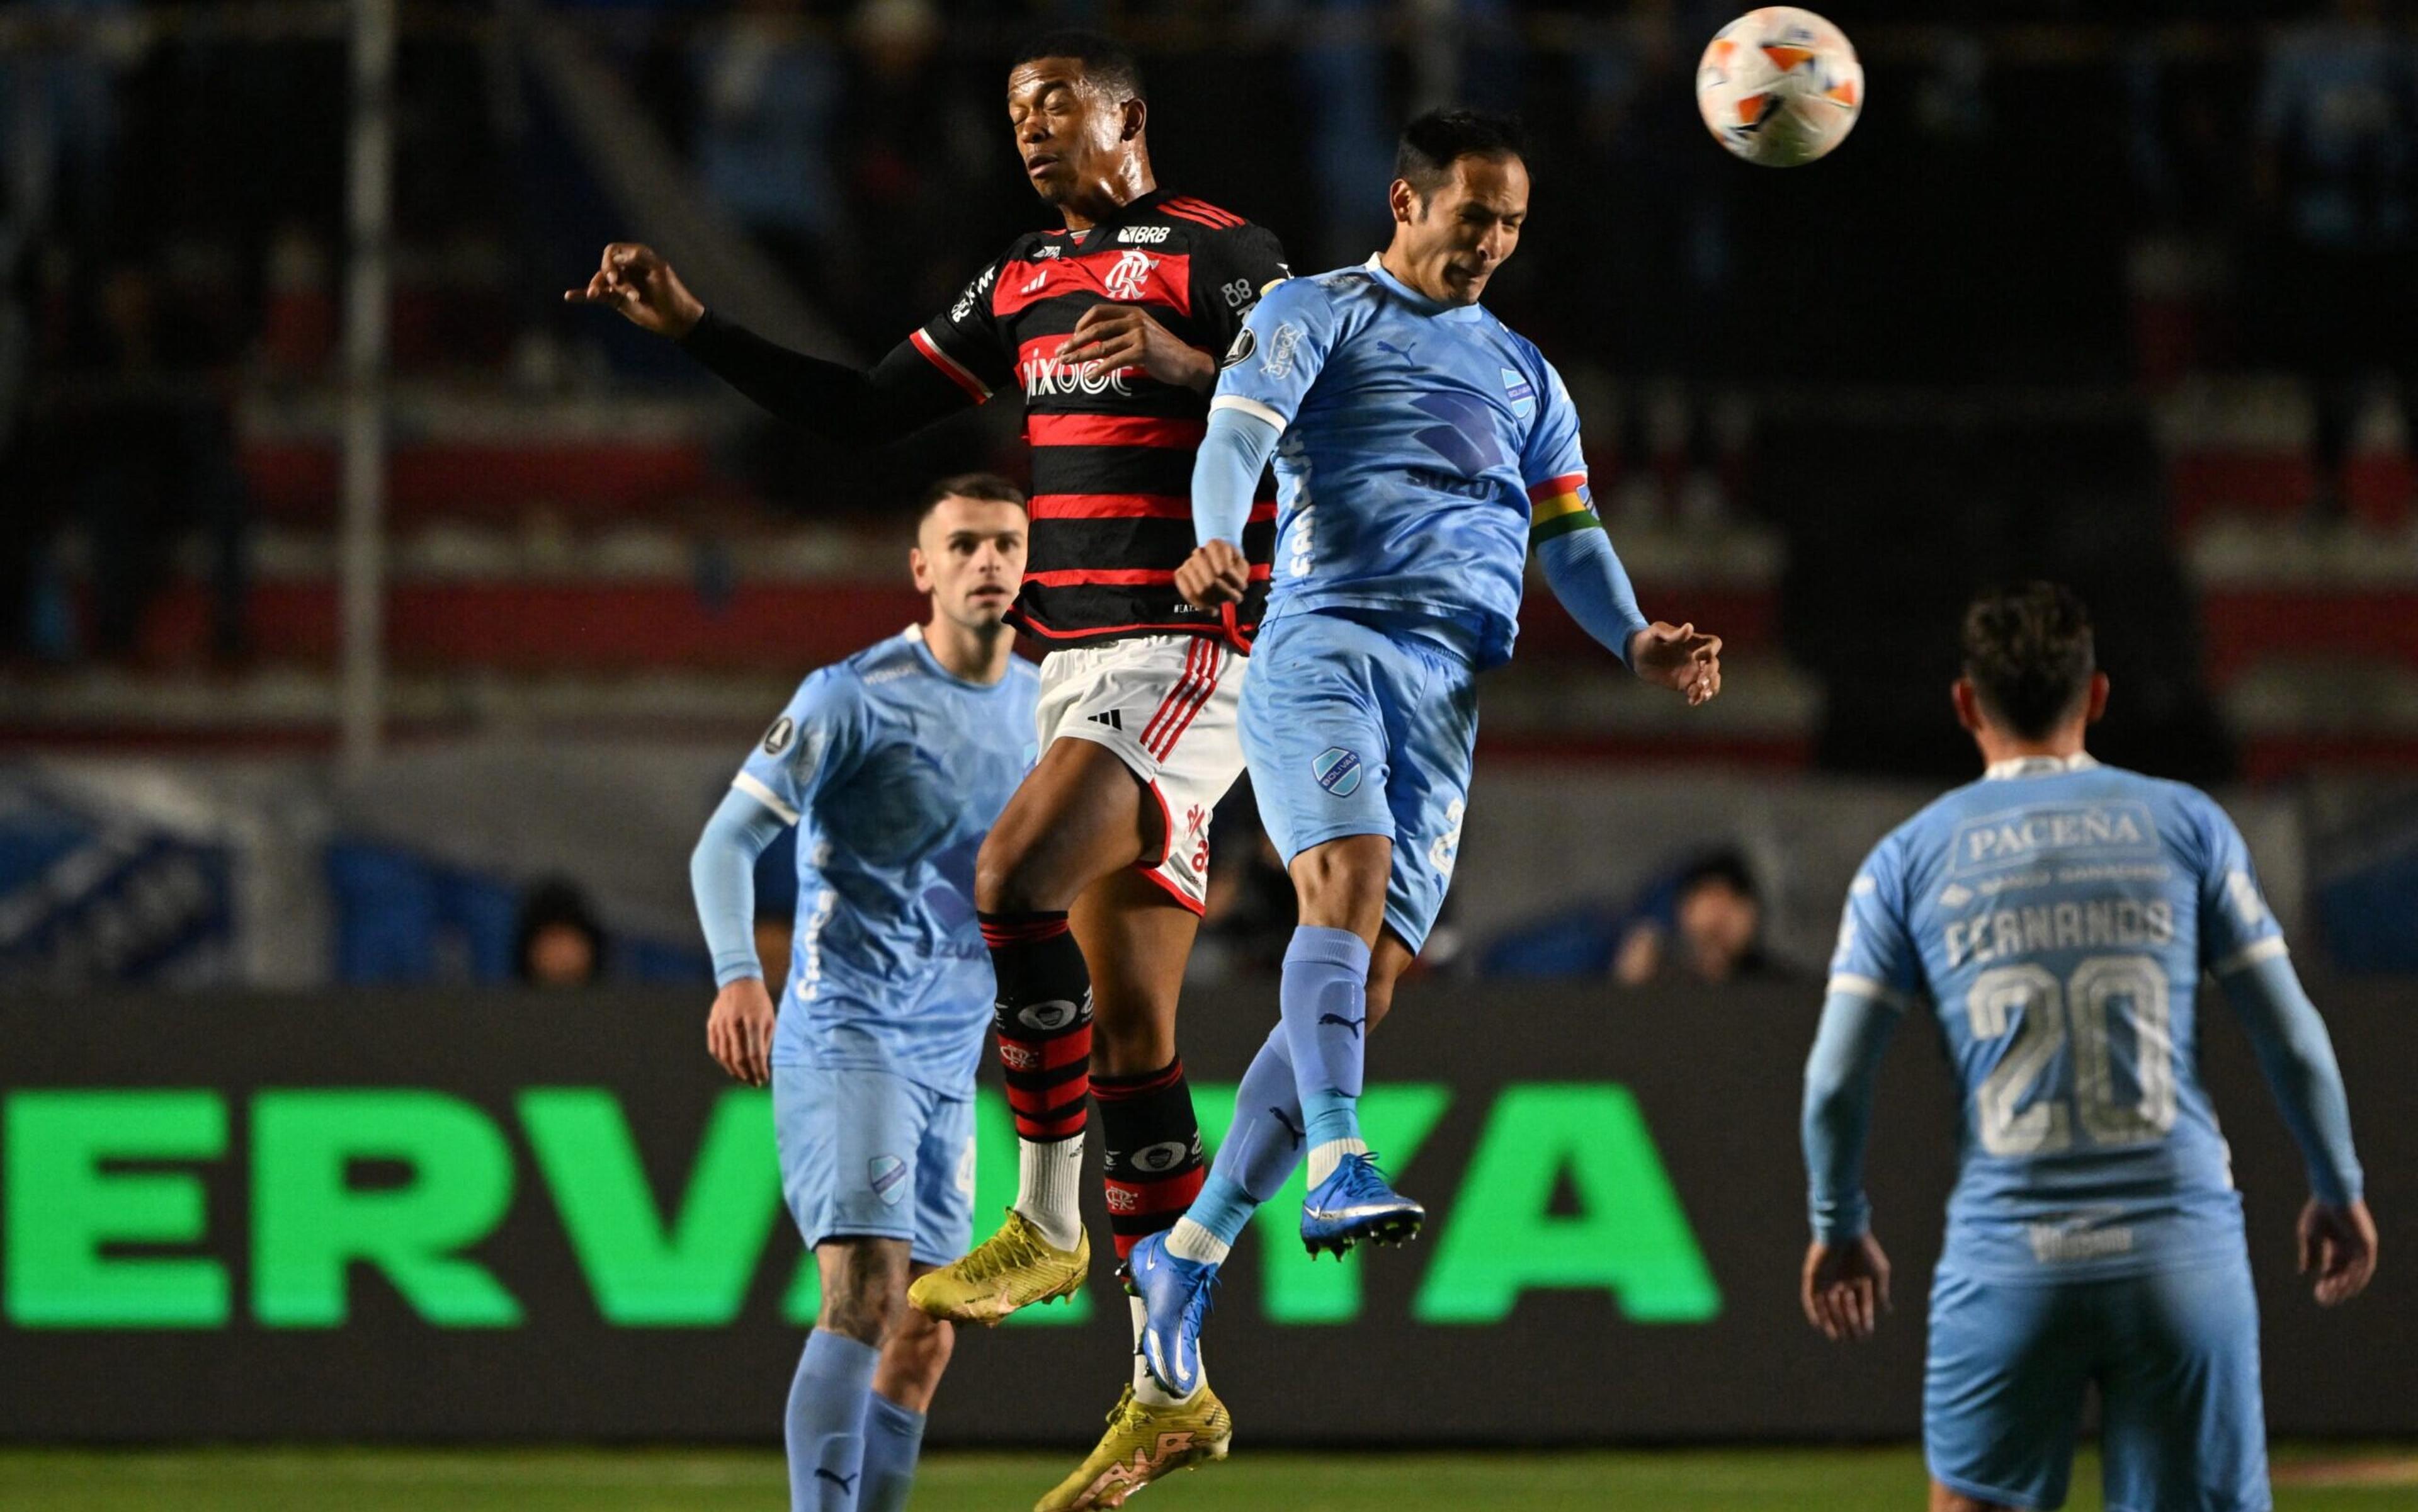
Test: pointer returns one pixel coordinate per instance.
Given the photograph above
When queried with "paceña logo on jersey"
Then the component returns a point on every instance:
(1130, 277)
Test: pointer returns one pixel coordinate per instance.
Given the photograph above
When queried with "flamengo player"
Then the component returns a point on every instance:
(2055, 917)
(1427, 448)
(892, 764)
(1111, 324)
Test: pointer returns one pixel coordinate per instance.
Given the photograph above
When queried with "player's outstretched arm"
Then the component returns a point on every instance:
(2337, 1236)
(1845, 1285)
(1585, 575)
(722, 874)
(845, 406)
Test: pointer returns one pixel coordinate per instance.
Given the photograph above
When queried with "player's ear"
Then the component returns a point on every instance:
(1968, 705)
(1137, 119)
(1404, 200)
(920, 569)
(2097, 708)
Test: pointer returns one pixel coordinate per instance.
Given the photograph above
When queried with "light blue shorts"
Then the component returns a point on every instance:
(1350, 729)
(2174, 1353)
(866, 1153)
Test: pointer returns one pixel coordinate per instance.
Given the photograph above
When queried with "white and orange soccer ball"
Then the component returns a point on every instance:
(1779, 87)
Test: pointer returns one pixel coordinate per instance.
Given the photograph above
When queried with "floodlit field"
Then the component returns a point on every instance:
(2309, 1480)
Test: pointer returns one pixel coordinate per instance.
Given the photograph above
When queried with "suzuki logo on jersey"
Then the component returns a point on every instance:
(1130, 277)
(1047, 376)
(2015, 836)
(1146, 235)
(1338, 770)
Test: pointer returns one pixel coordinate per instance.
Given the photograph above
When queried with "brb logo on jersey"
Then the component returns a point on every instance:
(1130, 277)
(1143, 235)
(1338, 770)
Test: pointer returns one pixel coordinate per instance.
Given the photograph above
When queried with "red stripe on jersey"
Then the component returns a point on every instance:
(1569, 483)
(1126, 507)
(1025, 622)
(1108, 507)
(1202, 206)
(1112, 430)
(1126, 276)
(1195, 217)
(1121, 577)
(955, 371)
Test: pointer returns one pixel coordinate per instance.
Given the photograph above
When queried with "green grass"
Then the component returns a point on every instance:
(552, 1480)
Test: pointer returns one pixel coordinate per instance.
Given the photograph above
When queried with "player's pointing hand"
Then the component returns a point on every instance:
(1679, 658)
(2339, 1244)
(1214, 574)
(642, 288)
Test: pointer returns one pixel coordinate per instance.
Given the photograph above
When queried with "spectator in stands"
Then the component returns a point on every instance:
(766, 88)
(559, 942)
(1703, 921)
(2337, 171)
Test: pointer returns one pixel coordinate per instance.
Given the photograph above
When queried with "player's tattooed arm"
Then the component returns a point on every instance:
(1119, 336)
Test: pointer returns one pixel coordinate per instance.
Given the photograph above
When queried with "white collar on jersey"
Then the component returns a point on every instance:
(2038, 766)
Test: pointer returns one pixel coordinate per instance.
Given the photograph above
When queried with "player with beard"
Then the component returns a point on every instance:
(1092, 881)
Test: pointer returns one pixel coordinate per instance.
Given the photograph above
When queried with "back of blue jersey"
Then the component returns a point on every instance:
(892, 770)
(1420, 441)
(2056, 917)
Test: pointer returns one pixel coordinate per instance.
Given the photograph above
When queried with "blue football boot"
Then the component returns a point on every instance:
(1176, 1298)
(1354, 1203)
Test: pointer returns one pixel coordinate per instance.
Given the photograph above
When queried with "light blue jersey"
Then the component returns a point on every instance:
(1422, 443)
(893, 771)
(2056, 917)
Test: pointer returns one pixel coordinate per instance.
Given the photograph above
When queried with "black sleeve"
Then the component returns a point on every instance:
(1228, 275)
(902, 393)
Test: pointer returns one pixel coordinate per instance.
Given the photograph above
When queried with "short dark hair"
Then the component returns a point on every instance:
(1104, 60)
(982, 485)
(1725, 868)
(1430, 144)
(2029, 655)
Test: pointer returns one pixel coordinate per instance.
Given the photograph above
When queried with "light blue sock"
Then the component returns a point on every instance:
(826, 1430)
(893, 1436)
(1325, 1004)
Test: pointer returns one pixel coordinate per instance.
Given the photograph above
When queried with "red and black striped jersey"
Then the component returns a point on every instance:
(1113, 452)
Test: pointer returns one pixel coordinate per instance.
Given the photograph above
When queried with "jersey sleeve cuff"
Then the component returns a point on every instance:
(1870, 989)
(1249, 406)
(757, 790)
(2251, 955)
(955, 371)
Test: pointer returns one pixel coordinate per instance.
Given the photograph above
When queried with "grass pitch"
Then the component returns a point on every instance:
(561, 1480)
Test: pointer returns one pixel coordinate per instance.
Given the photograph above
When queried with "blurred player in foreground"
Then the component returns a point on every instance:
(1095, 875)
(1426, 449)
(2056, 916)
(895, 762)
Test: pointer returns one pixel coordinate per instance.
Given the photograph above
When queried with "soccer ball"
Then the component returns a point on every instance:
(1779, 87)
